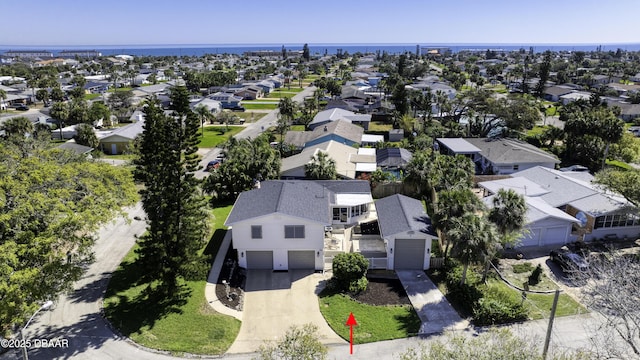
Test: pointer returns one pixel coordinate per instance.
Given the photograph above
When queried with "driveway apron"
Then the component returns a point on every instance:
(432, 307)
(275, 301)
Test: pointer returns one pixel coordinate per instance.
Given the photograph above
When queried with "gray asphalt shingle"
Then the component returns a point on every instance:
(399, 213)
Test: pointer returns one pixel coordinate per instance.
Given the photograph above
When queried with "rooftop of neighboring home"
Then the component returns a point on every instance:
(346, 159)
(339, 114)
(304, 199)
(506, 151)
(558, 90)
(572, 188)
(393, 157)
(399, 213)
(341, 128)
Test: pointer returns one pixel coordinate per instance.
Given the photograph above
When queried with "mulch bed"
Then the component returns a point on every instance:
(231, 294)
(383, 292)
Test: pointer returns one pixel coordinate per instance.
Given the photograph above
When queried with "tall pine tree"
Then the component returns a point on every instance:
(176, 210)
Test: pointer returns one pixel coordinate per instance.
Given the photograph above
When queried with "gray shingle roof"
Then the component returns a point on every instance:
(393, 157)
(509, 151)
(341, 128)
(562, 188)
(399, 213)
(298, 198)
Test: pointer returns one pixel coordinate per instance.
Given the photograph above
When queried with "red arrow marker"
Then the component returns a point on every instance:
(351, 322)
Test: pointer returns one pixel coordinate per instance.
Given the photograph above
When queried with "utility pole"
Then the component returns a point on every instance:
(550, 326)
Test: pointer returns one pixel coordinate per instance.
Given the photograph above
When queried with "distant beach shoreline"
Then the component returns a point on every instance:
(315, 49)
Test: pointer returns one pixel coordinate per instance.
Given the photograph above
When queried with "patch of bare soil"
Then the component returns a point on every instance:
(230, 285)
(383, 292)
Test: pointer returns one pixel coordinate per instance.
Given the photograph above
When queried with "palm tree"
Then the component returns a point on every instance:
(472, 236)
(509, 213)
(204, 114)
(17, 127)
(321, 167)
(287, 108)
(451, 206)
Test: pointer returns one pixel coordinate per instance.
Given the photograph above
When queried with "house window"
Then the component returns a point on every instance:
(516, 167)
(256, 231)
(608, 221)
(294, 231)
(336, 214)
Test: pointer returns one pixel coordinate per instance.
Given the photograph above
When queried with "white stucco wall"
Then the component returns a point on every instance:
(273, 239)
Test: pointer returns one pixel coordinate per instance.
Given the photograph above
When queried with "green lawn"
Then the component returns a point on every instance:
(91, 96)
(129, 157)
(279, 95)
(250, 116)
(191, 327)
(120, 89)
(375, 323)
(619, 165)
(297, 128)
(539, 305)
(259, 106)
(536, 130)
(379, 126)
(216, 135)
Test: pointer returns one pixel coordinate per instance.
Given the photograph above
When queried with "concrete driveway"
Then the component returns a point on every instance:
(274, 301)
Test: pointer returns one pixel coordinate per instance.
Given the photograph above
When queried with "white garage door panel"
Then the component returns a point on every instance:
(262, 260)
(302, 260)
(409, 254)
(532, 238)
(555, 235)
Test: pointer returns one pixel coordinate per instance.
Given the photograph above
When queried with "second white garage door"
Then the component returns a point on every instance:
(302, 259)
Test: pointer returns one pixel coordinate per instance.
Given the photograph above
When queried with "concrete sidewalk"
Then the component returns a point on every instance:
(210, 288)
(432, 307)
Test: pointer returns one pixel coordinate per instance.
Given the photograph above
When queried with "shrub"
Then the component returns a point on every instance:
(358, 285)
(498, 306)
(350, 271)
(467, 294)
(522, 268)
(534, 278)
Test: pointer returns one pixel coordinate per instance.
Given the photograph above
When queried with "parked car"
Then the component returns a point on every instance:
(213, 164)
(568, 261)
(237, 108)
(22, 107)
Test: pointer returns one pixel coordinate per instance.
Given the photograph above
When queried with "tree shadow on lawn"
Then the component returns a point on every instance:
(139, 304)
(130, 314)
(410, 323)
(212, 248)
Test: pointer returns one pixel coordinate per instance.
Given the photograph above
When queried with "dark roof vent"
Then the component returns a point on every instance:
(325, 128)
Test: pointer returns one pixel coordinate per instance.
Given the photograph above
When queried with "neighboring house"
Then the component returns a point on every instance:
(340, 131)
(392, 160)
(119, 140)
(214, 106)
(327, 116)
(349, 160)
(500, 156)
(628, 112)
(573, 96)
(597, 213)
(93, 87)
(545, 225)
(553, 93)
(76, 148)
(227, 99)
(249, 93)
(284, 225)
(407, 232)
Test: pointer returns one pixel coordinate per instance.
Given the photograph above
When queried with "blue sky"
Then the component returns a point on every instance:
(149, 22)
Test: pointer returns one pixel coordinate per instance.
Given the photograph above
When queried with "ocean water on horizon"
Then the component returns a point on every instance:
(315, 49)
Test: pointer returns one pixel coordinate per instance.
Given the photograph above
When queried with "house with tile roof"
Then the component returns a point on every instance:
(303, 224)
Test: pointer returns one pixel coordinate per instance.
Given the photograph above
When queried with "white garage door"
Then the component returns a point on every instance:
(260, 260)
(554, 235)
(532, 238)
(409, 254)
(302, 260)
